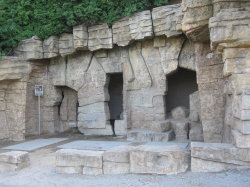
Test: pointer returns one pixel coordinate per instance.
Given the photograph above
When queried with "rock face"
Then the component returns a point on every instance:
(100, 37)
(165, 20)
(66, 44)
(196, 17)
(80, 36)
(209, 37)
(225, 27)
(14, 161)
(30, 49)
(159, 159)
(51, 47)
(14, 75)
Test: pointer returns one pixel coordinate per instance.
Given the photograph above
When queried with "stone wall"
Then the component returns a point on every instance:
(209, 37)
(13, 91)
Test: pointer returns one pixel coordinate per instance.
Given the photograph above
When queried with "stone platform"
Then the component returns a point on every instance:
(151, 159)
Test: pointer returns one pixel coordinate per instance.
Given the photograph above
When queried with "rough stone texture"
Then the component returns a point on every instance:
(121, 32)
(187, 56)
(79, 161)
(30, 49)
(195, 19)
(211, 88)
(241, 140)
(118, 154)
(13, 68)
(195, 132)
(230, 28)
(13, 160)
(215, 157)
(140, 25)
(159, 159)
(194, 107)
(66, 44)
(218, 5)
(179, 112)
(149, 136)
(180, 129)
(165, 20)
(100, 37)
(51, 47)
(169, 54)
(80, 36)
(115, 168)
(13, 89)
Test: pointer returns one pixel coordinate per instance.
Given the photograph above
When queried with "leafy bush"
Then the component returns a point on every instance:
(20, 19)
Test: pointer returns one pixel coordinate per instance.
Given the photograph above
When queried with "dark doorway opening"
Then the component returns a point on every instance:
(180, 85)
(115, 103)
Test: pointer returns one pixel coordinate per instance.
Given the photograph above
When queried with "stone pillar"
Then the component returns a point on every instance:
(229, 33)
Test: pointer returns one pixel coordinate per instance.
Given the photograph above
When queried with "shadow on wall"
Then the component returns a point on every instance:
(181, 84)
(115, 103)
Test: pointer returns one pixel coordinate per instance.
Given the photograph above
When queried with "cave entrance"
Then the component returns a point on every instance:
(181, 84)
(115, 103)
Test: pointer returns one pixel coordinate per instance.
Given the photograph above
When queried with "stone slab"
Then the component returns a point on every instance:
(34, 144)
(92, 145)
(115, 168)
(159, 159)
(77, 158)
(118, 154)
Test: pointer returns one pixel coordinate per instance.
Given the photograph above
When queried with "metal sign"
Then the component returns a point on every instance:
(38, 90)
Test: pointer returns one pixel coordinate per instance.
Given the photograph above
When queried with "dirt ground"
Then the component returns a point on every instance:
(41, 172)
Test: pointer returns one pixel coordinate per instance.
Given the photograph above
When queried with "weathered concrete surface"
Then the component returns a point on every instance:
(79, 161)
(165, 20)
(230, 28)
(13, 68)
(100, 37)
(159, 159)
(51, 47)
(80, 36)
(195, 19)
(215, 157)
(30, 49)
(13, 160)
(66, 44)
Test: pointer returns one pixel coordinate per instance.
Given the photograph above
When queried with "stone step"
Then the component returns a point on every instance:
(142, 135)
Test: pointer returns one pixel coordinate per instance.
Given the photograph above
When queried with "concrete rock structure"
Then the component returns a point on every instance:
(178, 72)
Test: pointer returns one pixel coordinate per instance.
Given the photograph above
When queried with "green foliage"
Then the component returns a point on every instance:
(20, 19)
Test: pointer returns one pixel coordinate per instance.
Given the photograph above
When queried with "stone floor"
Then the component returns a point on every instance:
(41, 172)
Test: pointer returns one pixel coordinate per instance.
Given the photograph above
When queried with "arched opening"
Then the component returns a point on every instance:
(181, 84)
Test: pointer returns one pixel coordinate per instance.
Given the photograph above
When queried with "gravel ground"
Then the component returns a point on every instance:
(41, 172)
(47, 177)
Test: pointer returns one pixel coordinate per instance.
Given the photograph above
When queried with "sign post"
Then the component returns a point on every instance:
(39, 93)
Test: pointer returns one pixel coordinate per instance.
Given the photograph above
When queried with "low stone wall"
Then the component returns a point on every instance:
(168, 159)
